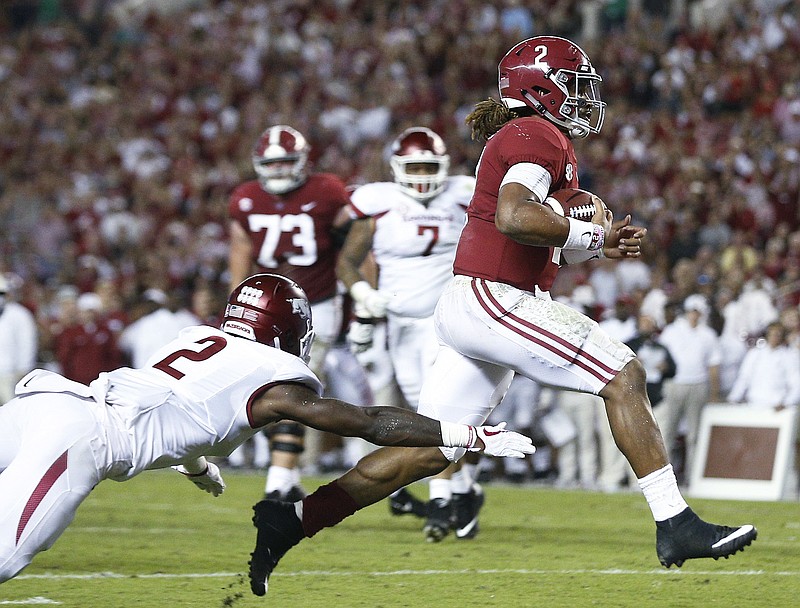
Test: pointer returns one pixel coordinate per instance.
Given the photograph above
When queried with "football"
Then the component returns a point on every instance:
(578, 204)
(572, 202)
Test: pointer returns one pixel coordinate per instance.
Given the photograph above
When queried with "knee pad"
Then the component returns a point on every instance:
(286, 428)
(285, 446)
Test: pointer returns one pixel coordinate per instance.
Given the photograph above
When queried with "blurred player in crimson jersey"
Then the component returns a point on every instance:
(291, 221)
(411, 225)
(496, 318)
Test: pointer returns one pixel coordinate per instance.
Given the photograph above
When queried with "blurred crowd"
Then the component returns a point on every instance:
(122, 135)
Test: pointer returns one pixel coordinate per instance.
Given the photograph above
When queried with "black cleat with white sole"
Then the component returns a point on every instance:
(405, 503)
(437, 526)
(279, 529)
(686, 536)
(465, 512)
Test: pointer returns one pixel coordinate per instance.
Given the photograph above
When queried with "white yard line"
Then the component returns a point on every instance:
(31, 601)
(316, 573)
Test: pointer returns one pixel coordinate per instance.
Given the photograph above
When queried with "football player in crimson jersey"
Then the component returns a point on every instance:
(291, 221)
(411, 225)
(496, 318)
(202, 394)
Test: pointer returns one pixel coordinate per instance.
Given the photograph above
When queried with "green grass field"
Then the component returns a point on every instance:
(156, 541)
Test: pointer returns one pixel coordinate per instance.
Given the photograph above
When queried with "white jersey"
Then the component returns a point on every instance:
(414, 244)
(193, 397)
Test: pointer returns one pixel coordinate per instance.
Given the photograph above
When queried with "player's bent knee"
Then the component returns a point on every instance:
(630, 379)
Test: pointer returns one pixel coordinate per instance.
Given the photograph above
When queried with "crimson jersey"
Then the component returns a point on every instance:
(291, 233)
(483, 251)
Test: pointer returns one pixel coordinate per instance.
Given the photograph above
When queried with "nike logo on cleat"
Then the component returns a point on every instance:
(733, 536)
(462, 532)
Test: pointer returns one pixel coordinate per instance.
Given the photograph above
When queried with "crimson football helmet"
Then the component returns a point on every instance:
(272, 310)
(554, 77)
(280, 157)
(420, 145)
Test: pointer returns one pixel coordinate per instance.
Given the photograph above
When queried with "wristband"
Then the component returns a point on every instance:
(188, 474)
(360, 290)
(584, 235)
(458, 435)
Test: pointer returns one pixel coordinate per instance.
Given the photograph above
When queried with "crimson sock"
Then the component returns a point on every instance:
(326, 507)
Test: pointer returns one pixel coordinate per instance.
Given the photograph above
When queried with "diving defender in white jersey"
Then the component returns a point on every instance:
(203, 394)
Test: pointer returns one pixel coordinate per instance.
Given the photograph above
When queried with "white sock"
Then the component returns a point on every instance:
(439, 488)
(660, 489)
(461, 482)
(471, 471)
(278, 478)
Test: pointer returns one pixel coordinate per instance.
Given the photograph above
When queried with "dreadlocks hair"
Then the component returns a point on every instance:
(489, 115)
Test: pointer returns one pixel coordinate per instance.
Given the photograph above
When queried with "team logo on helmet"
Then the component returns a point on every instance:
(250, 295)
(302, 307)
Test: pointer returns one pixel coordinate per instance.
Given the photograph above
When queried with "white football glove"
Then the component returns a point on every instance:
(500, 442)
(373, 301)
(359, 335)
(209, 480)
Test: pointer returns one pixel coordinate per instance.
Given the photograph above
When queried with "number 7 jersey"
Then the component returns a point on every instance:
(414, 243)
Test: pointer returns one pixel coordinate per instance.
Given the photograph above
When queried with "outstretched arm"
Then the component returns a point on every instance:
(532, 224)
(382, 425)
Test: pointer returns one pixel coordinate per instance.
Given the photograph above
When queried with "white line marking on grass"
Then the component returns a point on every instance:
(119, 530)
(30, 601)
(312, 573)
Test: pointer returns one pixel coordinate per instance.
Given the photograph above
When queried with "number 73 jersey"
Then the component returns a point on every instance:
(414, 243)
(291, 233)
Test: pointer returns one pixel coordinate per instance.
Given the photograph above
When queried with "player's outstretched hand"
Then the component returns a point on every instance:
(624, 240)
(498, 441)
(209, 480)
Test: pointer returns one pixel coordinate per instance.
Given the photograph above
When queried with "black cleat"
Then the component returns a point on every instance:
(405, 503)
(438, 523)
(293, 494)
(686, 536)
(279, 529)
(465, 512)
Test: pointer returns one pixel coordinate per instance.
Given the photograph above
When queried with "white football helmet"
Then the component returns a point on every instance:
(415, 146)
(280, 157)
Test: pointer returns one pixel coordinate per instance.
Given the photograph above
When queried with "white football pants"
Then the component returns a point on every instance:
(47, 468)
(486, 329)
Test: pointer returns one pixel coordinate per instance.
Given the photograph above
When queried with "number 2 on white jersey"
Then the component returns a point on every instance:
(303, 238)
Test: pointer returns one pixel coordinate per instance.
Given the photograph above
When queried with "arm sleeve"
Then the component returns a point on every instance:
(534, 177)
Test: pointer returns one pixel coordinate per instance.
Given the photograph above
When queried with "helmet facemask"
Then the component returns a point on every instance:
(281, 175)
(582, 110)
(279, 158)
(421, 185)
